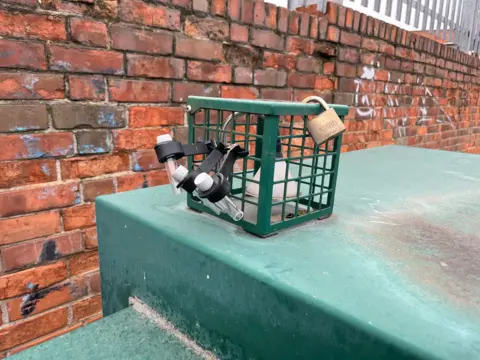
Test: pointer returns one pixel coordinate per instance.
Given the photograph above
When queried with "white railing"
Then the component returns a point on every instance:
(457, 22)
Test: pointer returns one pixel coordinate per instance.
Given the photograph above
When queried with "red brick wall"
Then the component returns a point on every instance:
(85, 87)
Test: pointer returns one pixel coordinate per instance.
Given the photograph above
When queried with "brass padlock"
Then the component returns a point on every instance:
(325, 126)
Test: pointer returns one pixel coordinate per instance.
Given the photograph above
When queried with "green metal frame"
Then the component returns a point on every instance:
(315, 167)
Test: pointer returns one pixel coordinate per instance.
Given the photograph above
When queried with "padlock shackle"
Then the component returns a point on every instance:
(316, 99)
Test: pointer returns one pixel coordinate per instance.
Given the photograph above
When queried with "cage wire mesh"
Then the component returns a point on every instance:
(303, 182)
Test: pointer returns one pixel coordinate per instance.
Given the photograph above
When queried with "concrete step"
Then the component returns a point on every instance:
(127, 334)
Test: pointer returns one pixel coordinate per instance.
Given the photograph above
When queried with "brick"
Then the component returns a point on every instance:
(72, 115)
(276, 94)
(207, 28)
(18, 173)
(46, 299)
(83, 167)
(234, 7)
(386, 48)
(200, 5)
(293, 23)
(37, 278)
(95, 282)
(23, 117)
(31, 146)
(308, 64)
(333, 34)
(28, 200)
(86, 87)
(346, 70)
(131, 182)
(143, 116)
(90, 61)
(83, 262)
(328, 68)
(283, 14)
(322, 28)
(73, 8)
(267, 39)
(78, 217)
(145, 160)
(277, 60)
(270, 77)
(29, 3)
(29, 227)
(247, 11)
(17, 54)
(392, 64)
(313, 27)
(94, 188)
(150, 15)
(198, 49)
(342, 14)
(93, 142)
(369, 58)
(239, 92)
(299, 45)
(106, 8)
(344, 99)
(218, 7)
(299, 80)
(138, 90)
(91, 238)
(370, 44)
(239, 33)
(36, 86)
(270, 16)
(39, 26)
(86, 307)
(133, 139)
(300, 95)
(304, 24)
(126, 38)
(182, 90)
(350, 39)
(203, 71)
(23, 331)
(259, 13)
(158, 177)
(155, 67)
(40, 251)
(243, 75)
(88, 32)
(323, 83)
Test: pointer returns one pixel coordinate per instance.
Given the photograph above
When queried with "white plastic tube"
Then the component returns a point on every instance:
(205, 182)
(170, 165)
(180, 174)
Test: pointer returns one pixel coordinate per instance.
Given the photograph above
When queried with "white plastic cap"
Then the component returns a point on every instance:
(204, 182)
(164, 138)
(180, 173)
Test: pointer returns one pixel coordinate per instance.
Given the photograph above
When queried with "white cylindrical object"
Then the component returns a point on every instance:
(204, 182)
(180, 174)
(170, 165)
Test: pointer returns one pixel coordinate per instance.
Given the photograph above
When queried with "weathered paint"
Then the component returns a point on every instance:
(392, 274)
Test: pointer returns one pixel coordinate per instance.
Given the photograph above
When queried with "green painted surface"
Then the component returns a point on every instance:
(124, 335)
(394, 273)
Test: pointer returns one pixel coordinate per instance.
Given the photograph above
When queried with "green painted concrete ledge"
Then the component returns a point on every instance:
(393, 274)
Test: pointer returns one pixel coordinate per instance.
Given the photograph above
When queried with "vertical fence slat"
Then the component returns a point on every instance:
(388, 10)
(408, 14)
(425, 14)
(376, 6)
(433, 15)
(399, 10)
(439, 18)
(417, 13)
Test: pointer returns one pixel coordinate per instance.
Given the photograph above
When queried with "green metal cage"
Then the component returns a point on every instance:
(292, 189)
